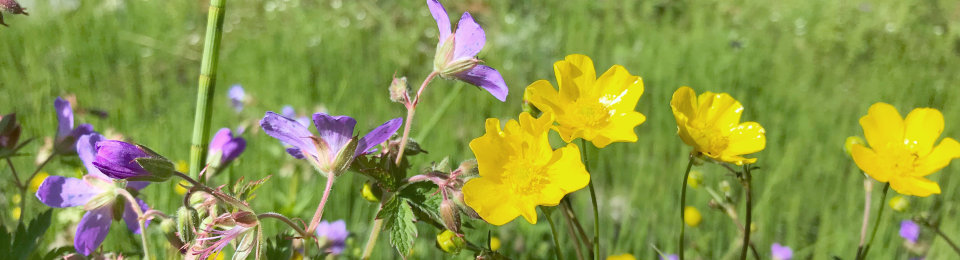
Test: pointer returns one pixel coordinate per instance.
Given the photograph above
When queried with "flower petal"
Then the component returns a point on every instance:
(62, 192)
(64, 116)
(440, 15)
(490, 151)
(922, 128)
(868, 161)
(746, 138)
(87, 151)
(487, 78)
(137, 185)
(542, 95)
(618, 90)
(130, 216)
(914, 186)
(882, 126)
(482, 195)
(940, 157)
(469, 38)
(719, 110)
(93, 229)
(684, 106)
(575, 75)
(567, 172)
(220, 139)
(288, 131)
(335, 130)
(118, 159)
(378, 135)
(620, 129)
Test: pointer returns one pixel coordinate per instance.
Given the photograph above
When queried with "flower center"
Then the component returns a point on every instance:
(524, 177)
(711, 140)
(590, 114)
(903, 160)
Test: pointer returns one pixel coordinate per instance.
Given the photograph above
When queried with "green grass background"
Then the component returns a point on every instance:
(806, 70)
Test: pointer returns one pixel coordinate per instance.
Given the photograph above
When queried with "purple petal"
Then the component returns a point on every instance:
(288, 131)
(117, 159)
(288, 111)
(780, 252)
(909, 230)
(237, 96)
(440, 15)
(87, 151)
(469, 39)
(82, 129)
(377, 136)
(64, 117)
(335, 234)
(232, 150)
(130, 216)
(93, 228)
(487, 78)
(223, 136)
(62, 192)
(335, 130)
(137, 185)
(295, 152)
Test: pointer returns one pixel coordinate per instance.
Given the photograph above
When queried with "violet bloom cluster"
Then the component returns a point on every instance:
(781, 252)
(457, 51)
(336, 146)
(237, 97)
(97, 193)
(67, 134)
(909, 230)
(224, 148)
(333, 236)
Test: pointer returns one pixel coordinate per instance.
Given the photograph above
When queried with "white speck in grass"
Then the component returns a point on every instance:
(336, 4)
(801, 26)
(509, 18)
(145, 52)
(344, 22)
(775, 17)
(937, 30)
(270, 6)
(194, 39)
(890, 27)
(361, 15)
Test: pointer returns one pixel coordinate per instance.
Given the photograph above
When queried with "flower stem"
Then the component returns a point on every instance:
(746, 232)
(207, 84)
(286, 220)
(683, 206)
(317, 216)
(16, 176)
(141, 221)
(593, 199)
(411, 110)
(571, 230)
(941, 234)
(553, 227)
(867, 189)
(372, 240)
(568, 210)
(26, 185)
(876, 224)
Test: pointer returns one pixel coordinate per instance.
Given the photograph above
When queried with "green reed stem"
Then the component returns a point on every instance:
(683, 206)
(749, 201)
(553, 227)
(876, 224)
(207, 84)
(593, 199)
(374, 232)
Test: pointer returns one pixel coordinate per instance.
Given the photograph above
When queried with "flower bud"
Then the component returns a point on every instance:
(899, 203)
(850, 142)
(370, 193)
(169, 228)
(494, 243)
(450, 214)
(694, 179)
(450, 242)
(187, 222)
(446, 65)
(9, 132)
(691, 216)
(399, 90)
(725, 188)
(224, 148)
(121, 160)
(12, 7)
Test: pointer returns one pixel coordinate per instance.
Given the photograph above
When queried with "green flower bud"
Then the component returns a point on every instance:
(451, 215)
(399, 90)
(187, 222)
(370, 193)
(450, 242)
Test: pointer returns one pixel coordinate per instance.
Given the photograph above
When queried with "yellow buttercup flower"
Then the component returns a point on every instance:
(622, 257)
(519, 170)
(899, 203)
(711, 124)
(494, 243)
(692, 216)
(902, 151)
(599, 110)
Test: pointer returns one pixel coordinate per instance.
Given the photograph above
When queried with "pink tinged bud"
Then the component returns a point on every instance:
(12, 7)
(9, 133)
(451, 215)
(399, 90)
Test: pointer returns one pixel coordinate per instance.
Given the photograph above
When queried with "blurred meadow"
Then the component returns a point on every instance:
(806, 70)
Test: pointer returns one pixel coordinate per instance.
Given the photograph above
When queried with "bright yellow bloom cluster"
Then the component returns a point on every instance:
(711, 124)
(519, 170)
(599, 110)
(902, 150)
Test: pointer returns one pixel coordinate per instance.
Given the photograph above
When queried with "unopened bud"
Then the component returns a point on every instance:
(691, 216)
(468, 168)
(245, 218)
(450, 242)
(9, 132)
(851, 142)
(466, 208)
(187, 222)
(694, 179)
(399, 90)
(725, 188)
(899, 203)
(451, 215)
(169, 228)
(370, 193)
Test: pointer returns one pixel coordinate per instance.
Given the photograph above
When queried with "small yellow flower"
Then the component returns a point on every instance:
(180, 187)
(622, 257)
(494, 243)
(37, 180)
(15, 213)
(691, 216)
(902, 151)
(599, 110)
(519, 170)
(899, 203)
(182, 166)
(711, 124)
(694, 179)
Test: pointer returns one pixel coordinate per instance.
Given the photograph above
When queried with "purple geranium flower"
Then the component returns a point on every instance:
(781, 252)
(66, 134)
(225, 147)
(288, 112)
(909, 230)
(669, 257)
(237, 97)
(333, 236)
(96, 192)
(336, 132)
(457, 51)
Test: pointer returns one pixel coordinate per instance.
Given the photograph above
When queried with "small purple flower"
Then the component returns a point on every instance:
(780, 252)
(95, 191)
(333, 236)
(66, 134)
(670, 257)
(335, 133)
(457, 51)
(122, 160)
(224, 148)
(237, 97)
(909, 230)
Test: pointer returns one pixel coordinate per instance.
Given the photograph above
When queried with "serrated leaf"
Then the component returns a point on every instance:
(279, 248)
(398, 222)
(420, 196)
(244, 191)
(27, 237)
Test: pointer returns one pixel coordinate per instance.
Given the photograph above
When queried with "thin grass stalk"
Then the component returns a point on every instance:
(207, 84)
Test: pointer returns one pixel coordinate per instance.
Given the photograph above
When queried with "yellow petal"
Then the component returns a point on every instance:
(567, 171)
(615, 86)
(620, 129)
(882, 126)
(923, 127)
(719, 110)
(870, 163)
(567, 75)
(487, 199)
(586, 74)
(684, 103)
(542, 95)
(940, 157)
(528, 210)
(914, 186)
(746, 138)
(489, 150)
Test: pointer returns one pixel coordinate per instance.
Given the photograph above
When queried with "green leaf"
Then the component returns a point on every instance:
(160, 169)
(27, 237)
(420, 197)
(244, 191)
(398, 222)
(278, 247)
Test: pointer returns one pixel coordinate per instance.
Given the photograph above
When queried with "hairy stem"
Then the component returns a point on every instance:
(941, 234)
(593, 199)
(411, 110)
(16, 177)
(876, 224)
(372, 240)
(571, 230)
(285, 220)
(553, 227)
(568, 212)
(207, 84)
(683, 206)
(749, 201)
(867, 189)
(141, 221)
(317, 216)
